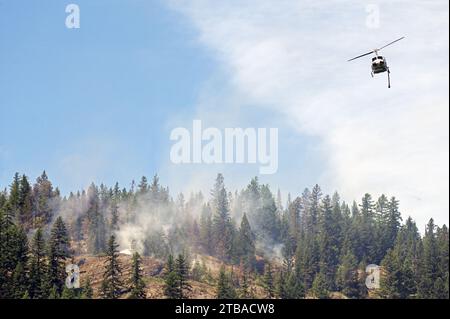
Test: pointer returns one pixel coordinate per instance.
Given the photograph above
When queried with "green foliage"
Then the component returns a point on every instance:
(246, 245)
(222, 227)
(87, 291)
(320, 286)
(58, 252)
(225, 287)
(268, 281)
(324, 242)
(111, 287)
(347, 278)
(137, 284)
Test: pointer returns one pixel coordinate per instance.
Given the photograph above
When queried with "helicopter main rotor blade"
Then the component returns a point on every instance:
(391, 43)
(360, 56)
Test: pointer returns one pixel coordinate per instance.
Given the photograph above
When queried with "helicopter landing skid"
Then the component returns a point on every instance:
(389, 78)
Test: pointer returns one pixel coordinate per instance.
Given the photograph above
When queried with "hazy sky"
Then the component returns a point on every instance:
(98, 103)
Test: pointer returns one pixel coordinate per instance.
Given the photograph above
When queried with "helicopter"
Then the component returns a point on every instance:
(379, 63)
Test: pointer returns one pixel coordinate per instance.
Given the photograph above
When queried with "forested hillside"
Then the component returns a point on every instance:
(140, 242)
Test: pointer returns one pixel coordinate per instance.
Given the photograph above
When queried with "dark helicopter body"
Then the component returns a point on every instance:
(379, 64)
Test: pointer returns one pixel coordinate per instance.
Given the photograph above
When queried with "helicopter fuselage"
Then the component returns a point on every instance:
(379, 65)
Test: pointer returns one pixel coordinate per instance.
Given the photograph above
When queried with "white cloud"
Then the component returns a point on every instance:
(291, 56)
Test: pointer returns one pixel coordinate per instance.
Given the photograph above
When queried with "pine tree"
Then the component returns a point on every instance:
(143, 185)
(68, 293)
(222, 227)
(171, 287)
(429, 263)
(244, 290)
(58, 252)
(182, 271)
(112, 285)
(25, 202)
(268, 221)
(43, 195)
(14, 197)
(19, 281)
(268, 281)
(293, 287)
(408, 249)
(442, 283)
(53, 293)
(206, 231)
(281, 286)
(137, 286)
(347, 279)
(246, 244)
(37, 266)
(114, 224)
(319, 288)
(328, 243)
(225, 288)
(391, 280)
(87, 292)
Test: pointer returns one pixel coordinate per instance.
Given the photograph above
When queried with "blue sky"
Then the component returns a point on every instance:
(98, 103)
(95, 103)
(104, 90)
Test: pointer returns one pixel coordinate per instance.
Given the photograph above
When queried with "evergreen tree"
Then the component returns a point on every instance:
(407, 250)
(268, 281)
(268, 221)
(112, 285)
(68, 293)
(137, 286)
(42, 195)
(14, 197)
(293, 287)
(37, 266)
(19, 281)
(328, 243)
(171, 288)
(143, 186)
(88, 292)
(281, 286)
(442, 241)
(53, 293)
(429, 263)
(225, 288)
(246, 244)
(96, 232)
(58, 252)
(347, 279)
(206, 231)
(182, 271)
(320, 286)
(25, 202)
(222, 227)
(391, 280)
(244, 289)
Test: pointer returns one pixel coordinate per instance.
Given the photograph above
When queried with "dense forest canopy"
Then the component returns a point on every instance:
(308, 246)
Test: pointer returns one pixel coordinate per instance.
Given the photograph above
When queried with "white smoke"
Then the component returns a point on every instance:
(290, 57)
